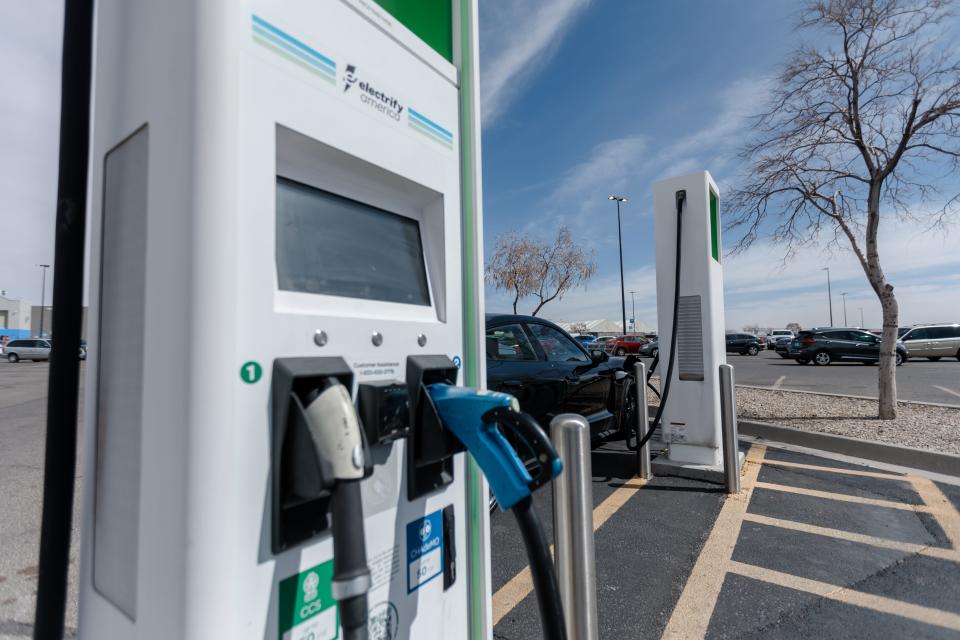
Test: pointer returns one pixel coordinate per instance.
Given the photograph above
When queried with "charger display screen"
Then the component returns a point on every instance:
(331, 245)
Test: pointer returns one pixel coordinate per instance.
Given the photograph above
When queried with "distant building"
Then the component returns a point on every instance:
(14, 318)
(602, 328)
(48, 321)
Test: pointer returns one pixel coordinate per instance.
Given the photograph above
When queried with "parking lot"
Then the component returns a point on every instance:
(814, 546)
(918, 380)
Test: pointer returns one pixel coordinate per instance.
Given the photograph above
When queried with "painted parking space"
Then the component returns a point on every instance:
(812, 547)
(798, 556)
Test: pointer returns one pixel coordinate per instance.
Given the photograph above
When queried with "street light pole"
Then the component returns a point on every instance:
(633, 310)
(829, 295)
(623, 296)
(844, 296)
(43, 296)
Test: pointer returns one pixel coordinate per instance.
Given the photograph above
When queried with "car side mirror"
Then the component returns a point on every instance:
(598, 356)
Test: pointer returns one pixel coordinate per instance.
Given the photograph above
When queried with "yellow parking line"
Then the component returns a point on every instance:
(884, 543)
(918, 613)
(842, 497)
(691, 615)
(849, 472)
(519, 586)
(941, 508)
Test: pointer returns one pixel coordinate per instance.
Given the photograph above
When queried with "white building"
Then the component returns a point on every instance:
(14, 317)
(601, 328)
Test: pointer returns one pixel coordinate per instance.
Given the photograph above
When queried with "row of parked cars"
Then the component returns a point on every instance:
(826, 345)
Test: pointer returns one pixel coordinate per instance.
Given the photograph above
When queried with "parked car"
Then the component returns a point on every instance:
(782, 347)
(776, 335)
(624, 345)
(933, 341)
(27, 349)
(825, 346)
(585, 339)
(651, 349)
(745, 344)
(603, 340)
(551, 373)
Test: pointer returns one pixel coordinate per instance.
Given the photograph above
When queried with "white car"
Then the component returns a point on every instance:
(777, 334)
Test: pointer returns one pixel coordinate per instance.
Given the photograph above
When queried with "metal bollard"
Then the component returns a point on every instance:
(643, 421)
(728, 426)
(573, 526)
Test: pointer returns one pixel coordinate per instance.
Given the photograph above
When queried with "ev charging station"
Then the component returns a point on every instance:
(286, 288)
(690, 312)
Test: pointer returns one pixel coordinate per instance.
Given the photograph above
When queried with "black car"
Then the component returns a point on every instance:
(551, 373)
(825, 346)
(743, 343)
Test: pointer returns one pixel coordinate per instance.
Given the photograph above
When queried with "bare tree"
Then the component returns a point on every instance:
(794, 326)
(578, 327)
(510, 266)
(545, 270)
(857, 131)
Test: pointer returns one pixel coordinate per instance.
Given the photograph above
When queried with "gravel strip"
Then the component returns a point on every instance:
(917, 425)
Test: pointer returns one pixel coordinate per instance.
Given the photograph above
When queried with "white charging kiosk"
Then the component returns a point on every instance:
(280, 190)
(691, 416)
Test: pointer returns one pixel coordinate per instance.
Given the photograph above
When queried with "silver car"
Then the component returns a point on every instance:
(27, 349)
(933, 341)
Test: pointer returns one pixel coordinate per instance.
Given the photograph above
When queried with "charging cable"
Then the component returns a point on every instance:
(477, 419)
(338, 440)
(665, 382)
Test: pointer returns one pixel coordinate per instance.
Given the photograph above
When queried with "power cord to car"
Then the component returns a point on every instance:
(665, 382)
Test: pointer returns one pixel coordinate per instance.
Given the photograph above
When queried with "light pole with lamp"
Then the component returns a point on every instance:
(633, 311)
(844, 296)
(829, 295)
(43, 296)
(623, 297)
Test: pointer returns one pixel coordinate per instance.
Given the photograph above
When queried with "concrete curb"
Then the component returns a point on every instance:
(945, 463)
(845, 395)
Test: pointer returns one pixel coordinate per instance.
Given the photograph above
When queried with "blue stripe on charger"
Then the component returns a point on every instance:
(282, 34)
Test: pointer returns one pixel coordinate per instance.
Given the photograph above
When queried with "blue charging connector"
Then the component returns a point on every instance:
(472, 416)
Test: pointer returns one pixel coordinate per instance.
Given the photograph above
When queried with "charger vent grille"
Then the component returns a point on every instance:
(690, 338)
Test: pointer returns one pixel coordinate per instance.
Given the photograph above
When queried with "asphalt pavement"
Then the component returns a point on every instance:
(813, 547)
(917, 380)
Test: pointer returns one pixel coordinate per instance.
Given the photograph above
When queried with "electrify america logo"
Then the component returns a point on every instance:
(370, 95)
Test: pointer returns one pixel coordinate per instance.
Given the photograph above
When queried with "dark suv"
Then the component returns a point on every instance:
(824, 346)
(743, 343)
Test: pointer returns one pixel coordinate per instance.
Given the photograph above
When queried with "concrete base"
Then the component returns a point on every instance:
(663, 466)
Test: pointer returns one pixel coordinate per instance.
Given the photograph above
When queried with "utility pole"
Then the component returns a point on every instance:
(829, 295)
(633, 310)
(623, 296)
(844, 296)
(43, 296)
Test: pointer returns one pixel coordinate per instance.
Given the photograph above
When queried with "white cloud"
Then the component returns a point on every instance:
(517, 39)
(632, 163)
(30, 35)
(762, 289)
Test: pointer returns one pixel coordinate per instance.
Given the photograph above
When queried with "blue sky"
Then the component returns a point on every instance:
(581, 98)
(620, 94)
